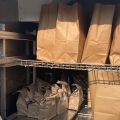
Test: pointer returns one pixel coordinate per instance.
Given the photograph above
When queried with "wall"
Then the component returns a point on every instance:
(29, 10)
(8, 10)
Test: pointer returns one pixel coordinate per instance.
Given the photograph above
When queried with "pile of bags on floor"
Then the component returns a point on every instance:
(44, 101)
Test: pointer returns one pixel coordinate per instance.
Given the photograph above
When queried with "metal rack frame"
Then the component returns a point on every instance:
(11, 61)
(15, 36)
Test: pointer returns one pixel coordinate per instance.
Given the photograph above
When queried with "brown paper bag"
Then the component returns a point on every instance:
(92, 86)
(62, 103)
(47, 32)
(70, 36)
(102, 77)
(98, 40)
(115, 48)
(45, 110)
(105, 88)
(26, 96)
(89, 99)
(61, 40)
(43, 105)
(23, 99)
(105, 116)
(107, 102)
(21, 106)
(75, 99)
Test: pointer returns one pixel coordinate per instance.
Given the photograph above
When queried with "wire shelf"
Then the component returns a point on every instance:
(51, 65)
(15, 36)
(42, 64)
(7, 61)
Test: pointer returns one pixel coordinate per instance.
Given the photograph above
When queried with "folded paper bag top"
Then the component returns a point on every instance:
(99, 35)
(62, 39)
(115, 48)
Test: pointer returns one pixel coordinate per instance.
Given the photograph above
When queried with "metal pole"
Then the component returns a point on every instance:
(34, 75)
(27, 69)
(28, 75)
(34, 68)
(3, 92)
(3, 83)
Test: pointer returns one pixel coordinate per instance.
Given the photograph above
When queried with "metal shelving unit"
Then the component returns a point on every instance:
(6, 61)
(51, 65)
(22, 61)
